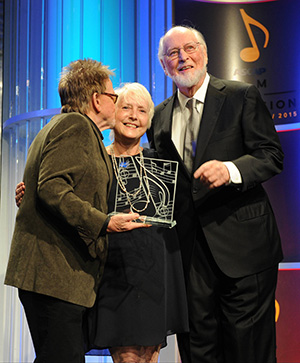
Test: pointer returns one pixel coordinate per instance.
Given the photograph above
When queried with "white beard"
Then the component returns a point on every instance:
(188, 80)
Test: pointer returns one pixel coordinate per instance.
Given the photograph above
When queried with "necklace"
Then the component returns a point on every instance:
(130, 196)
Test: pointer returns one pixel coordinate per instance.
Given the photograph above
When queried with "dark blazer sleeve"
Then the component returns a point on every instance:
(263, 153)
(237, 126)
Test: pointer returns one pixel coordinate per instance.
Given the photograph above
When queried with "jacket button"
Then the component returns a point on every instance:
(195, 190)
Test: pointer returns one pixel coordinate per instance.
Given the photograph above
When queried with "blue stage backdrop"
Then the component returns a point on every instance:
(40, 38)
(258, 42)
(43, 36)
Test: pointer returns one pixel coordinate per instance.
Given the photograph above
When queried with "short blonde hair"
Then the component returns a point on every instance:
(140, 93)
(79, 81)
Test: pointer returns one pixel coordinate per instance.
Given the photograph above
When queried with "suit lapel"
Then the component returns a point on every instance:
(213, 103)
(165, 121)
(108, 164)
(166, 116)
(104, 155)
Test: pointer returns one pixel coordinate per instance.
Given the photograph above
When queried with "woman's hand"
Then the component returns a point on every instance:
(125, 222)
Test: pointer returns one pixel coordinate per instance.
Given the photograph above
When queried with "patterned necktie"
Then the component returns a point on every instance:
(190, 137)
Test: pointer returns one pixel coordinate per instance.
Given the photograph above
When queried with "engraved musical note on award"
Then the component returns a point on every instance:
(251, 54)
(146, 186)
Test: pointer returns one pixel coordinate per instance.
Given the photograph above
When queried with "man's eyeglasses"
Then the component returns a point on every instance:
(189, 48)
(113, 96)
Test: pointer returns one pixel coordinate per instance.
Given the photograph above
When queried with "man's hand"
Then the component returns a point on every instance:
(213, 174)
(20, 190)
(125, 222)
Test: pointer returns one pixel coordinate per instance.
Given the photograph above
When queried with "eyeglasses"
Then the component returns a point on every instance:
(113, 96)
(189, 48)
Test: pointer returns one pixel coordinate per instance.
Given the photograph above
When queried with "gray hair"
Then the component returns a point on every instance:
(198, 35)
(140, 93)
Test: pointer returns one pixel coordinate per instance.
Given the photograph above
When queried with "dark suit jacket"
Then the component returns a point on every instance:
(238, 222)
(56, 247)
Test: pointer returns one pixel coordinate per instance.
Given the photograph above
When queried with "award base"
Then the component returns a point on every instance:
(158, 222)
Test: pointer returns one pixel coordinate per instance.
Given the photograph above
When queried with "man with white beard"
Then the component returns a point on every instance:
(226, 146)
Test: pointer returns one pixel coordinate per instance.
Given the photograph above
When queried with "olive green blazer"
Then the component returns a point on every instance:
(56, 247)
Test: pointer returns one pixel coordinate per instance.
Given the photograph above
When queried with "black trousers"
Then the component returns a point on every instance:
(56, 328)
(231, 320)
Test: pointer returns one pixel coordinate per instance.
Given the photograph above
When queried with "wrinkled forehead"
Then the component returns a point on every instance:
(134, 99)
(177, 38)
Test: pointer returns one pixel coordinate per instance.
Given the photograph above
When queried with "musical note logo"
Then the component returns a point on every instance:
(277, 310)
(251, 54)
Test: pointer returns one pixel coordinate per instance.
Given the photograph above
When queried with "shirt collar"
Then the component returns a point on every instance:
(199, 95)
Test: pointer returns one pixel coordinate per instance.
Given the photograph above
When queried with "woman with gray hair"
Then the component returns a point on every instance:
(141, 299)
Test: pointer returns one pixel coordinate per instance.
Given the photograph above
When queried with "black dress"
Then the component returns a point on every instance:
(142, 296)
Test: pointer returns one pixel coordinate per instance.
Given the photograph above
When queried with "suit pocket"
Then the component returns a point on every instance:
(252, 211)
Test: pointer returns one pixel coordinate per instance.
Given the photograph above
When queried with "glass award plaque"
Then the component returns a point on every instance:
(146, 186)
